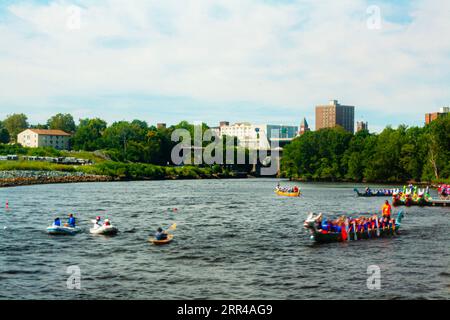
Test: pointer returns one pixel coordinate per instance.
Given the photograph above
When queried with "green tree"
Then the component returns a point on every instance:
(4, 134)
(317, 155)
(62, 122)
(39, 126)
(15, 124)
(437, 137)
(120, 135)
(159, 146)
(89, 133)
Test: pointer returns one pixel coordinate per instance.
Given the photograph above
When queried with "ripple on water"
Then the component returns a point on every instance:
(235, 239)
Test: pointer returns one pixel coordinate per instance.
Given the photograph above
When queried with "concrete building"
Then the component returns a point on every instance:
(258, 136)
(334, 114)
(248, 135)
(34, 138)
(161, 126)
(361, 125)
(429, 117)
(304, 127)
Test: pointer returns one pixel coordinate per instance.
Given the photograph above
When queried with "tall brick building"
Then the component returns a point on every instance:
(429, 117)
(334, 114)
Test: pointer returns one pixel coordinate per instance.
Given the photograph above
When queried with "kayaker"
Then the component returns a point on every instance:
(57, 222)
(160, 234)
(71, 221)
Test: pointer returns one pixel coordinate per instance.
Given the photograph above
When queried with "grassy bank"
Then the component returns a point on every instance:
(123, 171)
(35, 166)
(96, 157)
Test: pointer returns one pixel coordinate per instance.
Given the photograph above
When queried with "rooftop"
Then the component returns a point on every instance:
(50, 132)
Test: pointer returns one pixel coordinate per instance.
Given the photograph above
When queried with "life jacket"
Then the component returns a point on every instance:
(344, 234)
(387, 210)
(72, 222)
(160, 236)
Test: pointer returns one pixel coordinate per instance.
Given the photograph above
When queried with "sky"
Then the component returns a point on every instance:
(262, 61)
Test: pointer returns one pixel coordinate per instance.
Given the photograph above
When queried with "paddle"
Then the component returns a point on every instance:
(173, 227)
(354, 230)
(378, 227)
(347, 229)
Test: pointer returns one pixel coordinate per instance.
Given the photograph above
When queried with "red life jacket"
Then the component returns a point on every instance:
(344, 234)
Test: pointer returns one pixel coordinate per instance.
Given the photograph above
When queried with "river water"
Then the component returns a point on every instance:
(235, 240)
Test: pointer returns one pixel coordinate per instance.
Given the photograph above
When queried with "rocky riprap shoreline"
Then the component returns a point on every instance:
(23, 178)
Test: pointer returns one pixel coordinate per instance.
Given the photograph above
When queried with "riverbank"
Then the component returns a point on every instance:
(15, 178)
(25, 178)
(422, 184)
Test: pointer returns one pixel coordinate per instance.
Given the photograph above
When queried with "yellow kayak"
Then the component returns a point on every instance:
(288, 194)
(162, 242)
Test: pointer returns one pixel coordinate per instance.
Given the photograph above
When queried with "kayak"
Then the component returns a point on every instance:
(288, 194)
(104, 230)
(54, 230)
(162, 242)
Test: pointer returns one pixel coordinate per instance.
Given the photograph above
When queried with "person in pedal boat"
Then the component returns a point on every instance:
(98, 222)
(71, 221)
(107, 223)
(57, 222)
(160, 234)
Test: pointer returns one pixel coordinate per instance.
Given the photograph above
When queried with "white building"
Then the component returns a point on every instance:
(258, 136)
(34, 138)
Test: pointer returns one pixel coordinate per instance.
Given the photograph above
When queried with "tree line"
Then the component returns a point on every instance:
(394, 155)
(123, 141)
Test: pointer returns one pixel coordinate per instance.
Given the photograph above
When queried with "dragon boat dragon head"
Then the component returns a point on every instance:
(311, 221)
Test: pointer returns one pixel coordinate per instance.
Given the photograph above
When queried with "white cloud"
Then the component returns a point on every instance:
(291, 55)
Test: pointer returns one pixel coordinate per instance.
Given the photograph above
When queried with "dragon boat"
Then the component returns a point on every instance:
(412, 199)
(320, 236)
(379, 193)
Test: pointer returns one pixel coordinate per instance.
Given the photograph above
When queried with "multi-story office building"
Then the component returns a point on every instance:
(429, 117)
(335, 114)
(258, 136)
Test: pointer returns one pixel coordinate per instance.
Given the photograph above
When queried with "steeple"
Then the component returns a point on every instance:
(304, 127)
